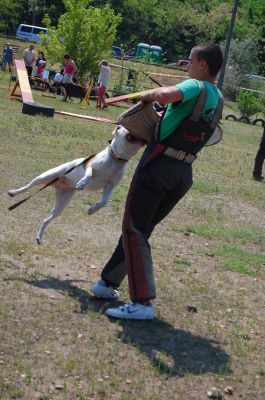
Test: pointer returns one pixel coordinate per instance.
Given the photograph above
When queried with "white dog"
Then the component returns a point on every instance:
(102, 171)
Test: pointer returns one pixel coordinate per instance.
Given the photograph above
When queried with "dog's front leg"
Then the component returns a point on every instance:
(106, 195)
(85, 180)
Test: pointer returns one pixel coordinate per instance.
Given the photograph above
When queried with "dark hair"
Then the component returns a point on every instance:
(212, 54)
(62, 71)
(66, 56)
(41, 52)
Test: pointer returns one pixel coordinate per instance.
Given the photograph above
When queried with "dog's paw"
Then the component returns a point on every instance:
(81, 184)
(11, 193)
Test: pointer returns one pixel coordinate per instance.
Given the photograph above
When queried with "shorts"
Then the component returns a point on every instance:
(101, 91)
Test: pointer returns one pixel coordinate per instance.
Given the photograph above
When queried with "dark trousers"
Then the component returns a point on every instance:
(29, 70)
(260, 156)
(155, 190)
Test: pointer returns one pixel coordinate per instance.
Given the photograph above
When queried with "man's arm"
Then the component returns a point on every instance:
(164, 95)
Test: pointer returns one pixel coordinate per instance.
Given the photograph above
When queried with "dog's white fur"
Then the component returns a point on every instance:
(102, 172)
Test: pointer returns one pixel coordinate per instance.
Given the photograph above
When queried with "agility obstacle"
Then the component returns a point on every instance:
(88, 117)
(29, 105)
(23, 83)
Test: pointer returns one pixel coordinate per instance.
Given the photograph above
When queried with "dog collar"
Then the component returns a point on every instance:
(118, 159)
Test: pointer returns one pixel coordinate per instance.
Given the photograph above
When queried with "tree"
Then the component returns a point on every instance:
(8, 15)
(242, 59)
(86, 33)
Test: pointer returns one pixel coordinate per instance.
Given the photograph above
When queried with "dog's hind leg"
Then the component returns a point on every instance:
(46, 176)
(106, 195)
(62, 198)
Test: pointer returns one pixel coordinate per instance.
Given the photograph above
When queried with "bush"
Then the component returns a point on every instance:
(248, 103)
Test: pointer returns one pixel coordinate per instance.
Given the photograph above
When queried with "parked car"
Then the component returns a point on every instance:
(30, 32)
(182, 64)
(117, 51)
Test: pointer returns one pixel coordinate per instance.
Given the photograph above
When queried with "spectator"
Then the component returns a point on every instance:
(259, 160)
(59, 76)
(103, 79)
(29, 58)
(57, 80)
(41, 57)
(40, 68)
(8, 57)
(69, 69)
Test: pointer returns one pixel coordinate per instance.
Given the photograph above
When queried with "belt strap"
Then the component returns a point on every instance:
(180, 155)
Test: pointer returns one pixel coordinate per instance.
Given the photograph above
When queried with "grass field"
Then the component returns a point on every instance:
(55, 340)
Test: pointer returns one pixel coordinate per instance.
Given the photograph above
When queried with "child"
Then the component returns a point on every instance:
(40, 68)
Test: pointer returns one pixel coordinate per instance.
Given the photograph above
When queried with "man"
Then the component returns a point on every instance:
(103, 80)
(259, 160)
(29, 58)
(160, 181)
(8, 57)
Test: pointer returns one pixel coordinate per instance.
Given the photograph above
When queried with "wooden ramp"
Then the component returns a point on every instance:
(23, 83)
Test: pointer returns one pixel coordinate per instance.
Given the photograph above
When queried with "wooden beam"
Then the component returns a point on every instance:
(128, 96)
(88, 117)
(23, 82)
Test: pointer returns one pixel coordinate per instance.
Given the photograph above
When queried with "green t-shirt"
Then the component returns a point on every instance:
(176, 113)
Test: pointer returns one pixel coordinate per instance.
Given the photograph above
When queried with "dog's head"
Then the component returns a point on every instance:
(125, 145)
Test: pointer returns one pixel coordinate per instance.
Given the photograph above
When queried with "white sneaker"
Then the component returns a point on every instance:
(132, 311)
(101, 290)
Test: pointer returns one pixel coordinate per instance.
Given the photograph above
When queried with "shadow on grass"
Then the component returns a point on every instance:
(171, 351)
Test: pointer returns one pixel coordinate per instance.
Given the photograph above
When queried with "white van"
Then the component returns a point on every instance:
(30, 32)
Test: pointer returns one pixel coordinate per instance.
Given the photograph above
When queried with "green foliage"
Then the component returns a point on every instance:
(8, 14)
(262, 104)
(248, 103)
(241, 61)
(86, 33)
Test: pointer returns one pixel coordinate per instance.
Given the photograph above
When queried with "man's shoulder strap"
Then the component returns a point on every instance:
(198, 109)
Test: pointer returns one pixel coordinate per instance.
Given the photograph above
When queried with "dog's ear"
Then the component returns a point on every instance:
(114, 133)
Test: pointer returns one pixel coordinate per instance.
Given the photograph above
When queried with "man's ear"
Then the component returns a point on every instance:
(203, 64)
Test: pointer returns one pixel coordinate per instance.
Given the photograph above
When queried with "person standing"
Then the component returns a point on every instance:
(103, 80)
(69, 69)
(29, 58)
(259, 160)
(162, 178)
(8, 57)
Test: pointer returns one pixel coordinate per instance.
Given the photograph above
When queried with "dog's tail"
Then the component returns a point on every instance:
(51, 182)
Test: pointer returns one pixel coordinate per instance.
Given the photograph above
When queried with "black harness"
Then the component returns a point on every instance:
(193, 133)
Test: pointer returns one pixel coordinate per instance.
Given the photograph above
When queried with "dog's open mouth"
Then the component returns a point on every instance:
(133, 139)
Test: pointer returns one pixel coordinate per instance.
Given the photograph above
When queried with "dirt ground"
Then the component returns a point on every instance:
(208, 332)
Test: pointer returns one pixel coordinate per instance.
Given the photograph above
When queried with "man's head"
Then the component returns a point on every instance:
(8, 45)
(206, 60)
(31, 46)
(104, 63)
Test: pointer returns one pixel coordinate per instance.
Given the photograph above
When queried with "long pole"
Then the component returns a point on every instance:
(227, 44)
